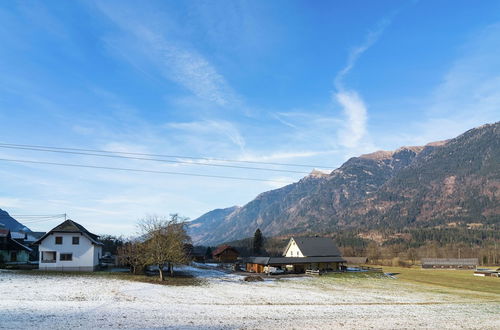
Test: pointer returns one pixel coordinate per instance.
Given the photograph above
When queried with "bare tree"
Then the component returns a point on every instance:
(164, 241)
(132, 254)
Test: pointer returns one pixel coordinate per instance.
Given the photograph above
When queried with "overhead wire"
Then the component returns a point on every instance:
(149, 159)
(141, 170)
(169, 156)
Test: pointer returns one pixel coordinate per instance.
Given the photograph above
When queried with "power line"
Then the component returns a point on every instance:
(38, 221)
(35, 215)
(139, 170)
(169, 156)
(150, 159)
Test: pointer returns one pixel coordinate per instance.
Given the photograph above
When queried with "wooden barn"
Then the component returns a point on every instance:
(453, 263)
(302, 254)
(225, 254)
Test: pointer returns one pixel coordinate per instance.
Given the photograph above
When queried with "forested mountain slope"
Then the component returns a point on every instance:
(455, 182)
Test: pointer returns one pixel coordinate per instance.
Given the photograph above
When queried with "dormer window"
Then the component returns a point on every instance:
(59, 240)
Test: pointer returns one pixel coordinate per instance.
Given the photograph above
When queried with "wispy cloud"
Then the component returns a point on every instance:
(177, 62)
(200, 130)
(370, 39)
(469, 93)
(353, 106)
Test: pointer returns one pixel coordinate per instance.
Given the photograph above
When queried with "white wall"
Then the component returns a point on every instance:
(293, 250)
(85, 255)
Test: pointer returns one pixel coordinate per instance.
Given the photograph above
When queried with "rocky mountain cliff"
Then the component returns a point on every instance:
(441, 183)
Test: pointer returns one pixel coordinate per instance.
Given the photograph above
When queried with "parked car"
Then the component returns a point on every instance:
(273, 270)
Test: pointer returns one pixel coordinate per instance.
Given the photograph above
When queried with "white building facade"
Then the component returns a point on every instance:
(69, 247)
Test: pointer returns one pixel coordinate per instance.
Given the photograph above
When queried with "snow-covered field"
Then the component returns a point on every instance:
(225, 301)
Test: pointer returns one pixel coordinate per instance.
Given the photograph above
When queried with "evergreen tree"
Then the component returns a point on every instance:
(208, 253)
(258, 241)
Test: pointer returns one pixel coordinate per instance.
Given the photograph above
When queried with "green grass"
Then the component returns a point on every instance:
(355, 275)
(178, 280)
(450, 279)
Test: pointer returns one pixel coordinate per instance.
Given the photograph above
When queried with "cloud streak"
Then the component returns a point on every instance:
(176, 62)
(353, 106)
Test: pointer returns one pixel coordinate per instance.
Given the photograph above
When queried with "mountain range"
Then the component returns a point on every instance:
(442, 184)
(8, 222)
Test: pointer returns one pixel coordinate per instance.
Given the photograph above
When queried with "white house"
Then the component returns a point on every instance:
(69, 247)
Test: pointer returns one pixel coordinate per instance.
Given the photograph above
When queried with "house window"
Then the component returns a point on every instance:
(76, 240)
(13, 256)
(66, 256)
(48, 256)
(59, 240)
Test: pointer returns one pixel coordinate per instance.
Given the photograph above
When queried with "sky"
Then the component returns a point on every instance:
(291, 82)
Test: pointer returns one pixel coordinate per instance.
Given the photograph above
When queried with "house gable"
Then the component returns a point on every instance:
(311, 247)
(293, 249)
(69, 226)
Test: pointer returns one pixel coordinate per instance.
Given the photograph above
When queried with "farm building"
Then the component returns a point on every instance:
(12, 251)
(356, 260)
(226, 254)
(301, 254)
(69, 247)
(468, 263)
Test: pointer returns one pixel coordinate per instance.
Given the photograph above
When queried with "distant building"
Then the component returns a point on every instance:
(356, 260)
(69, 247)
(12, 251)
(468, 263)
(300, 255)
(225, 254)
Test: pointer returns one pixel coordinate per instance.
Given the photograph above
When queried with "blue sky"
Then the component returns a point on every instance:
(307, 82)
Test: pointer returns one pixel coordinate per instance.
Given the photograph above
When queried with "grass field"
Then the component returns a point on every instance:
(416, 299)
(462, 282)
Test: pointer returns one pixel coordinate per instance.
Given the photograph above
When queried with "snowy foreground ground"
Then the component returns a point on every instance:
(225, 301)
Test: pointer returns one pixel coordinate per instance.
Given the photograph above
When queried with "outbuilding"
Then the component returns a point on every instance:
(454, 263)
(225, 254)
(302, 254)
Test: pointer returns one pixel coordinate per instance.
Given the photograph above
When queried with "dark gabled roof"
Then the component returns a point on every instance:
(290, 260)
(450, 261)
(7, 243)
(302, 260)
(223, 248)
(69, 226)
(317, 246)
(257, 260)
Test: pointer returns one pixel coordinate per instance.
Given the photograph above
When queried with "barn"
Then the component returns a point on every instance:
(226, 254)
(302, 254)
(453, 263)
